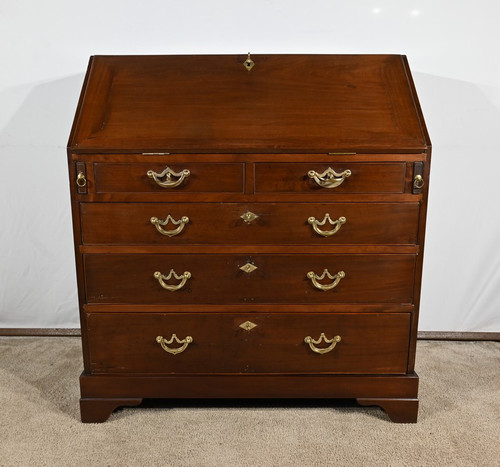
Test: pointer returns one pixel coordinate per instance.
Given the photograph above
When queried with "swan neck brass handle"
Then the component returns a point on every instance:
(158, 223)
(165, 180)
(81, 181)
(164, 342)
(333, 342)
(329, 178)
(172, 288)
(315, 278)
(327, 233)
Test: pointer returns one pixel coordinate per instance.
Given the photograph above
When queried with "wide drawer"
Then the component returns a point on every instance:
(245, 342)
(155, 177)
(264, 223)
(266, 278)
(335, 177)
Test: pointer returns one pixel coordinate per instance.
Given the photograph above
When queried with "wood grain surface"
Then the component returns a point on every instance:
(370, 343)
(207, 103)
(276, 224)
(218, 279)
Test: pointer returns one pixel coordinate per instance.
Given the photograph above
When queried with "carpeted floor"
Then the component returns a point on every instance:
(459, 419)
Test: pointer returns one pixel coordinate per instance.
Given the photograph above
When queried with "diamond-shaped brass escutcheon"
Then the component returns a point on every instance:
(248, 63)
(247, 325)
(249, 216)
(248, 268)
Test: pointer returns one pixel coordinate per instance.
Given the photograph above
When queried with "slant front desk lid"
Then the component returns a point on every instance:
(214, 103)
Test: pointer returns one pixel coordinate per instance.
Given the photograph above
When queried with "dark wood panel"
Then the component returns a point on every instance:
(249, 385)
(254, 308)
(126, 178)
(212, 223)
(301, 103)
(370, 343)
(179, 158)
(396, 393)
(278, 279)
(250, 249)
(277, 197)
(365, 177)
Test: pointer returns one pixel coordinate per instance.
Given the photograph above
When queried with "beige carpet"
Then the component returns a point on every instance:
(459, 419)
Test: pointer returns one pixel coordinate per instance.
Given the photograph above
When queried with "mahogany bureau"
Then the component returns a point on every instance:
(249, 226)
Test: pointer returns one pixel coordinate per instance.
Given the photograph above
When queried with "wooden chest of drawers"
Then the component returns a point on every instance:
(249, 227)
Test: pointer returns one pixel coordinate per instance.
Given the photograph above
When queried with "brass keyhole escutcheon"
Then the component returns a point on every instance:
(249, 216)
(248, 63)
(248, 325)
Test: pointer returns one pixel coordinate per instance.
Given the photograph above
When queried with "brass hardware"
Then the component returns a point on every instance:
(248, 268)
(172, 288)
(163, 342)
(168, 183)
(327, 233)
(315, 278)
(170, 233)
(333, 342)
(248, 63)
(329, 178)
(81, 181)
(418, 179)
(81, 178)
(418, 182)
(249, 217)
(248, 325)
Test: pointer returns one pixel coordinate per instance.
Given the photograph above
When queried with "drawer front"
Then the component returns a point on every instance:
(129, 178)
(271, 278)
(363, 177)
(212, 223)
(369, 343)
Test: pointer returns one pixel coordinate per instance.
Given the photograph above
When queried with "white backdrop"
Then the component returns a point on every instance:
(453, 50)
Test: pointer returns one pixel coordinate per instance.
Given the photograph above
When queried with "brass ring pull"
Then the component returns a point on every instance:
(329, 178)
(81, 181)
(164, 342)
(418, 182)
(327, 233)
(333, 342)
(315, 278)
(172, 288)
(167, 174)
(170, 233)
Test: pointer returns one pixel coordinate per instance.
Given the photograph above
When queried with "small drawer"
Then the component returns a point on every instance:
(262, 223)
(248, 342)
(168, 178)
(174, 279)
(334, 177)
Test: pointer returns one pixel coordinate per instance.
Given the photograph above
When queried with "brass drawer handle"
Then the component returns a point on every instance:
(315, 278)
(81, 181)
(329, 178)
(333, 342)
(164, 342)
(167, 174)
(172, 288)
(170, 233)
(327, 233)
(418, 182)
